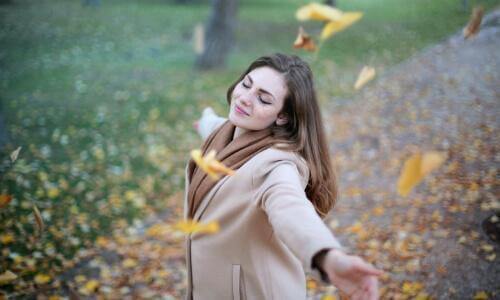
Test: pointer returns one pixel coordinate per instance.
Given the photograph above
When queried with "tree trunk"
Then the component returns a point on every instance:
(219, 35)
(332, 3)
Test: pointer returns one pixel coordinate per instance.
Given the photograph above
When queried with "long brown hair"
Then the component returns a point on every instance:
(304, 132)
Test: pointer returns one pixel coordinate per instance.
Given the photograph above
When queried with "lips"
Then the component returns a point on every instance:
(240, 110)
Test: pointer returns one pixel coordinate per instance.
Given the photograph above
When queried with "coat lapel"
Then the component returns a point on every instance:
(206, 200)
(208, 197)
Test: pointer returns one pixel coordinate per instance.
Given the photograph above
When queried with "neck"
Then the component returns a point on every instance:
(238, 131)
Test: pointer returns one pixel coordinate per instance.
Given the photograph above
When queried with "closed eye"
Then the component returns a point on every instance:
(260, 98)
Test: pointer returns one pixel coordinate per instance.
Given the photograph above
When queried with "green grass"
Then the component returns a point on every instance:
(102, 99)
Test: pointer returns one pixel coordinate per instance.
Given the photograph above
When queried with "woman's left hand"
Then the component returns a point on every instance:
(352, 275)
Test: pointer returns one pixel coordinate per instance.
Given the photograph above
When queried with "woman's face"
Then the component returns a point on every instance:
(257, 99)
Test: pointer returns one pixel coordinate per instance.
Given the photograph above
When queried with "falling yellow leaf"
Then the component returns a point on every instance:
(5, 200)
(431, 161)
(304, 41)
(191, 226)
(318, 12)
(210, 165)
(416, 168)
(15, 154)
(328, 297)
(474, 24)
(38, 219)
(7, 277)
(312, 285)
(335, 26)
(42, 278)
(367, 73)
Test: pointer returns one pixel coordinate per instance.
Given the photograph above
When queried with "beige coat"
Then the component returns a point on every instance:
(269, 232)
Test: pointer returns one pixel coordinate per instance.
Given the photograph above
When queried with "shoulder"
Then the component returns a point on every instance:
(274, 159)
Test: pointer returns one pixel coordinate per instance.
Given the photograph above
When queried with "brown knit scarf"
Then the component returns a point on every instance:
(232, 153)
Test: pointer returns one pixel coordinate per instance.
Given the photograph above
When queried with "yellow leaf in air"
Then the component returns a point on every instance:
(7, 277)
(5, 200)
(191, 226)
(366, 74)
(210, 165)
(328, 297)
(474, 24)
(42, 278)
(431, 161)
(319, 12)
(312, 285)
(304, 41)
(335, 26)
(410, 176)
(416, 168)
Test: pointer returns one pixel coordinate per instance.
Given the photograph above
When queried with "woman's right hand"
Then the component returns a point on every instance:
(206, 111)
(352, 275)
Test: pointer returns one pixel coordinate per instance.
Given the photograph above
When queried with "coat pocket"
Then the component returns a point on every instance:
(238, 284)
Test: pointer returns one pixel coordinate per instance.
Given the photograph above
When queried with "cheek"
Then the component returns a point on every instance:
(266, 115)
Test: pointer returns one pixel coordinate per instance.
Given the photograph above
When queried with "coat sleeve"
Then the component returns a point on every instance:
(209, 122)
(290, 213)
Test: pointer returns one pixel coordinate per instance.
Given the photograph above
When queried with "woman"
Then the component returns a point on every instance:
(270, 210)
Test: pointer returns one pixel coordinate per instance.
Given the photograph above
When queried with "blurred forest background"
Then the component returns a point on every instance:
(101, 97)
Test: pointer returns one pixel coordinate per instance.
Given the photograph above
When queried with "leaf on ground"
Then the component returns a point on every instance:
(7, 277)
(5, 200)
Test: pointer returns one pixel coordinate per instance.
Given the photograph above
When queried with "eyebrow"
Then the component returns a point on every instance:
(262, 90)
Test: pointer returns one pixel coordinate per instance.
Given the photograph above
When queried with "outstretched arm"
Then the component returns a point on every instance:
(296, 223)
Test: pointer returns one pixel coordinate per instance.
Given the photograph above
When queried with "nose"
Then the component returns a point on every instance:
(245, 100)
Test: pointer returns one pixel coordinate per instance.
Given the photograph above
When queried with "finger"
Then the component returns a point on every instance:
(370, 285)
(196, 124)
(368, 269)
